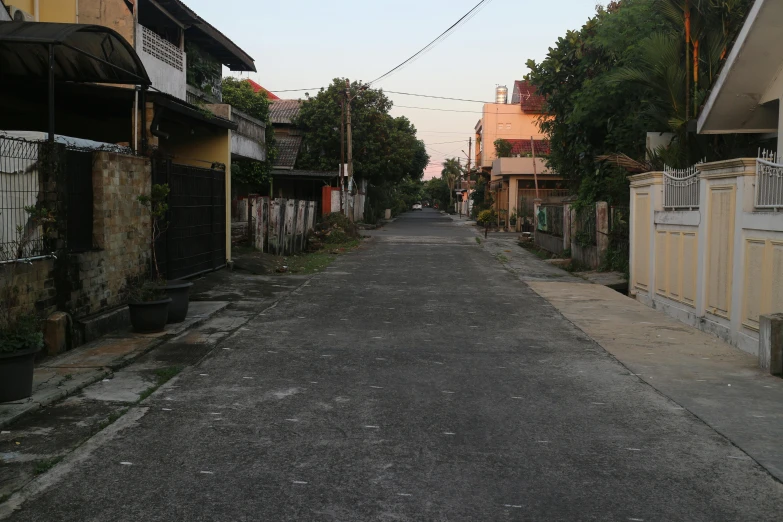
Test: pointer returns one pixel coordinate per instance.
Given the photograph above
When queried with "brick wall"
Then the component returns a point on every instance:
(87, 283)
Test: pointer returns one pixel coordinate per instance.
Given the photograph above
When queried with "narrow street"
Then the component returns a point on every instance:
(415, 379)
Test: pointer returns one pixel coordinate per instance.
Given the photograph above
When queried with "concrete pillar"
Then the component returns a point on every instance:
(55, 330)
(536, 208)
(387, 214)
(602, 229)
(566, 227)
(771, 343)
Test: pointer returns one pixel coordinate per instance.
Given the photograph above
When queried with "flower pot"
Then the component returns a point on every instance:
(149, 316)
(179, 292)
(16, 374)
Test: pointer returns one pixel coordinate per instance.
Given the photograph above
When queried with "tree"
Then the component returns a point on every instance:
(503, 148)
(386, 151)
(437, 191)
(452, 170)
(240, 95)
(588, 114)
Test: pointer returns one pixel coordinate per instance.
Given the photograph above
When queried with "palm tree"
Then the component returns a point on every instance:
(452, 170)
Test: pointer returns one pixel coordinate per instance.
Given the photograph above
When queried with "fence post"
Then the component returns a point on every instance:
(536, 208)
(771, 343)
(602, 229)
(566, 227)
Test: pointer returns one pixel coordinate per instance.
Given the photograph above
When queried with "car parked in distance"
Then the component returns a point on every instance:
(417, 206)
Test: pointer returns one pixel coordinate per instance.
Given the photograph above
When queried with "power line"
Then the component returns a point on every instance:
(432, 44)
(438, 97)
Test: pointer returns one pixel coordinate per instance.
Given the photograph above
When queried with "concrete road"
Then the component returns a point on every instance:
(415, 380)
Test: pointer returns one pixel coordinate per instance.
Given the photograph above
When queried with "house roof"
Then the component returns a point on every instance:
(79, 54)
(287, 151)
(283, 112)
(525, 95)
(259, 88)
(750, 78)
(207, 36)
(523, 147)
(305, 173)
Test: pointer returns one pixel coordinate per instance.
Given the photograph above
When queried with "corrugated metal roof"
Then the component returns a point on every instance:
(82, 53)
(288, 150)
(284, 111)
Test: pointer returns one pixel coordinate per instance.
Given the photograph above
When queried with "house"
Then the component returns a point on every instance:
(181, 120)
(707, 242)
(514, 179)
(258, 88)
(288, 181)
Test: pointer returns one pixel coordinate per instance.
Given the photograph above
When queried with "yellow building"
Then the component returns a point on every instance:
(517, 180)
(173, 119)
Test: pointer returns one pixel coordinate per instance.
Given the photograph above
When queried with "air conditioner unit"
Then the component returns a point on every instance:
(17, 15)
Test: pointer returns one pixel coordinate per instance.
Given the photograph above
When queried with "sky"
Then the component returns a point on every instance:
(306, 43)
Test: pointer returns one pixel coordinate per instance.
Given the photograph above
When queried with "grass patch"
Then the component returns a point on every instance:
(312, 262)
(539, 253)
(478, 240)
(163, 375)
(111, 419)
(502, 258)
(45, 465)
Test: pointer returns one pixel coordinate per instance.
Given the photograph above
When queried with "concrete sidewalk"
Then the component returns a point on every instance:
(713, 380)
(58, 377)
(718, 383)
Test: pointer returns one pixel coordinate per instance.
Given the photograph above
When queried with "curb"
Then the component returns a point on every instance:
(70, 387)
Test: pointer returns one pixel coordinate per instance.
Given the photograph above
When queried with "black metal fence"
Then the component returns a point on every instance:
(585, 226)
(553, 219)
(45, 199)
(619, 238)
(195, 238)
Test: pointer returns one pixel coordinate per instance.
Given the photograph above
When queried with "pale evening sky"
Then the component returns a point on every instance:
(307, 43)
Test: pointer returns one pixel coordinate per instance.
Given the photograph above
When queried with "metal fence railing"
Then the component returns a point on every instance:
(551, 220)
(680, 188)
(769, 181)
(27, 192)
(46, 198)
(585, 227)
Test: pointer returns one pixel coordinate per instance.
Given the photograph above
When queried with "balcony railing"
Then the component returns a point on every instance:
(166, 63)
(680, 188)
(769, 182)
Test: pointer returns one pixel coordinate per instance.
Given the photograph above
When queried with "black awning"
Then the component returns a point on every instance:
(82, 53)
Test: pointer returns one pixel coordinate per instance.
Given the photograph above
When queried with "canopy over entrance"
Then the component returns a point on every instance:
(80, 53)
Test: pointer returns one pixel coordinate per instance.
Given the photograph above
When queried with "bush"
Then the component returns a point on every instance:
(22, 334)
(334, 228)
(487, 217)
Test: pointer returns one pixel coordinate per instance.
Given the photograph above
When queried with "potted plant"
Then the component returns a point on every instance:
(148, 302)
(20, 331)
(513, 218)
(177, 290)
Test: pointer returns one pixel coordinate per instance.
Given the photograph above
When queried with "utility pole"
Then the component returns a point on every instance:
(350, 141)
(467, 176)
(342, 152)
(535, 174)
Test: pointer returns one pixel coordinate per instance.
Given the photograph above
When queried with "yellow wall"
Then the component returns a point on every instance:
(63, 11)
(676, 264)
(720, 248)
(24, 5)
(200, 152)
(641, 249)
(763, 288)
(509, 123)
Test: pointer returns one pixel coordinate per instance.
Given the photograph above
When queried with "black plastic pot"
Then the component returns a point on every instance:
(179, 292)
(16, 374)
(149, 316)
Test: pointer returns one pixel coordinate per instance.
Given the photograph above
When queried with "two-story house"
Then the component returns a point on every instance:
(517, 180)
(181, 116)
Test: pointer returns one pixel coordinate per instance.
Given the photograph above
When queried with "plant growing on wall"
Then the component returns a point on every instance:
(503, 148)
(204, 70)
(157, 205)
(19, 329)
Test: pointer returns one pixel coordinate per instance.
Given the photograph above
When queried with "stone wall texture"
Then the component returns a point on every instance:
(92, 282)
